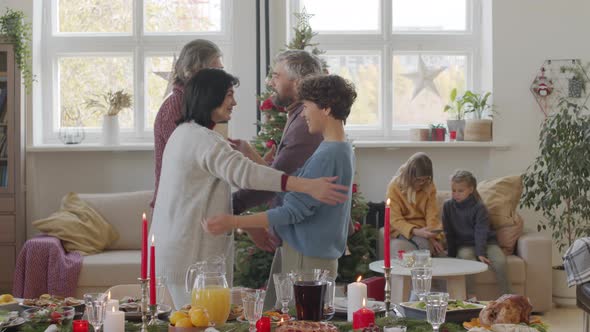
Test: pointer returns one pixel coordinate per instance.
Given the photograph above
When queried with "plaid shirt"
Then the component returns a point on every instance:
(577, 262)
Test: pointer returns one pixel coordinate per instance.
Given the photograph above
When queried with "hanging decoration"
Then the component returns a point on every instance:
(424, 77)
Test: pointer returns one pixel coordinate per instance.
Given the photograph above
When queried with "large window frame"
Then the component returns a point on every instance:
(389, 43)
(139, 45)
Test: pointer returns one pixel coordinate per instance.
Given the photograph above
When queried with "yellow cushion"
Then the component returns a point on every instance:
(501, 197)
(78, 226)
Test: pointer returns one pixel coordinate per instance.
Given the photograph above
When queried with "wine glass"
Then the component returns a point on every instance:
(329, 309)
(253, 301)
(436, 309)
(160, 288)
(95, 309)
(421, 281)
(284, 289)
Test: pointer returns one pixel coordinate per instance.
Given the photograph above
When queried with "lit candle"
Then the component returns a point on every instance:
(144, 237)
(363, 317)
(114, 321)
(356, 292)
(112, 304)
(152, 273)
(386, 232)
(80, 326)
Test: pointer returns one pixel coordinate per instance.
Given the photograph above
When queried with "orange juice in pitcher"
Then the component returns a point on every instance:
(216, 300)
(208, 287)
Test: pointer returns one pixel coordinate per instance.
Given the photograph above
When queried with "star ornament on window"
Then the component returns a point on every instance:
(424, 77)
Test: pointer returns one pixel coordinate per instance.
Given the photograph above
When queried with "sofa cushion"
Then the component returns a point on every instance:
(516, 272)
(78, 226)
(508, 235)
(110, 267)
(123, 211)
(501, 197)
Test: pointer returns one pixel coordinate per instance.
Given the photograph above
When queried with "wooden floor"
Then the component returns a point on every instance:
(564, 319)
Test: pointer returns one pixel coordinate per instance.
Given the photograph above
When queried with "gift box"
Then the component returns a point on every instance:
(375, 288)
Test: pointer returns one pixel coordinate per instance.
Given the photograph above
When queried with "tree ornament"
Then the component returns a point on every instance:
(542, 86)
(270, 143)
(424, 77)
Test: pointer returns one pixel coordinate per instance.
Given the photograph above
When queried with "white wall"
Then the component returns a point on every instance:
(525, 32)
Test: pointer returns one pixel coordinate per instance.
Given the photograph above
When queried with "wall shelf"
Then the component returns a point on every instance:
(394, 145)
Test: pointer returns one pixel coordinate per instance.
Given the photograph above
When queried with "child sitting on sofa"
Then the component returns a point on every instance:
(468, 232)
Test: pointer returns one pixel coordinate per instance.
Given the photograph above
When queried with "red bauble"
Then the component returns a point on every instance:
(263, 324)
(267, 105)
(270, 143)
(357, 226)
(354, 188)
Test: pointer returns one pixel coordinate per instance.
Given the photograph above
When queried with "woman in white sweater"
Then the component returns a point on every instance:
(199, 168)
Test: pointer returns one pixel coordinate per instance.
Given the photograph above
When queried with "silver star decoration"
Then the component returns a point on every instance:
(424, 78)
(167, 76)
(303, 18)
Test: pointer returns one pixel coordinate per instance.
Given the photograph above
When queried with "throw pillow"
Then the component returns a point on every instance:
(78, 226)
(501, 197)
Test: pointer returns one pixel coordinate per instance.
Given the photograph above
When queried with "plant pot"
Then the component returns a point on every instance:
(110, 130)
(438, 134)
(562, 294)
(419, 134)
(457, 126)
(478, 130)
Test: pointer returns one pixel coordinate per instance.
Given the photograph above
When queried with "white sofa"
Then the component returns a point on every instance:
(120, 262)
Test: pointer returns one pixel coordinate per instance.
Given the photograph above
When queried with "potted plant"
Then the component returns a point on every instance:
(557, 183)
(438, 132)
(110, 104)
(456, 107)
(16, 31)
(477, 128)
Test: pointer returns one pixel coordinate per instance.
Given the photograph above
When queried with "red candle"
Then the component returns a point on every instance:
(363, 317)
(263, 324)
(386, 231)
(80, 326)
(152, 273)
(144, 255)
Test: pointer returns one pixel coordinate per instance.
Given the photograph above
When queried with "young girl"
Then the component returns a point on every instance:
(467, 228)
(415, 215)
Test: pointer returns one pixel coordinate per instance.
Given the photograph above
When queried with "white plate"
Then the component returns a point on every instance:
(341, 305)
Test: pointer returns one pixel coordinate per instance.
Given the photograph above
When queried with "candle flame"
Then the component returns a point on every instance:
(113, 309)
(364, 302)
(153, 239)
(359, 278)
(388, 201)
(143, 216)
(282, 320)
(109, 295)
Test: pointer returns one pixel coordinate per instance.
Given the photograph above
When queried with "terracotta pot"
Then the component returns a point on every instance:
(438, 134)
(478, 130)
(419, 134)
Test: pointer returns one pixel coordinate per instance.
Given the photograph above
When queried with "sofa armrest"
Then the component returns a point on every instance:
(535, 249)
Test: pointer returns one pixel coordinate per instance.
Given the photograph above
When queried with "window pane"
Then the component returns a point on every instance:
(182, 15)
(429, 15)
(81, 78)
(158, 70)
(427, 107)
(335, 15)
(364, 71)
(113, 16)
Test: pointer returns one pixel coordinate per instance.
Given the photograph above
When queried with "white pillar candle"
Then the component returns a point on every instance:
(112, 304)
(114, 321)
(356, 292)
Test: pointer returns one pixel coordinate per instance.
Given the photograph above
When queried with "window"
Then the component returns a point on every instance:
(391, 48)
(95, 46)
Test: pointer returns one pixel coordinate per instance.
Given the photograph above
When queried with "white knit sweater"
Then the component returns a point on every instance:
(199, 168)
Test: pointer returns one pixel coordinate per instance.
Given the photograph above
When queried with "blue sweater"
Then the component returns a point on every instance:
(309, 226)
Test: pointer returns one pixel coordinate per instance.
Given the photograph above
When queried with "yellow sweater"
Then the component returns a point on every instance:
(405, 216)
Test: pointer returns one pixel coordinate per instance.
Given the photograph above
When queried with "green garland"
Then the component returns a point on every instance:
(13, 25)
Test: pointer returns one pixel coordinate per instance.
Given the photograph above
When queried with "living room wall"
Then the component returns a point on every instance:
(525, 33)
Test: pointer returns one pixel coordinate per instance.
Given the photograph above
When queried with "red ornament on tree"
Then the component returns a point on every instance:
(270, 143)
(354, 189)
(357, 226)
(267, 105)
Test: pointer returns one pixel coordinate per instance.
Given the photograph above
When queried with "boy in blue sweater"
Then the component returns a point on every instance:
(314, 234)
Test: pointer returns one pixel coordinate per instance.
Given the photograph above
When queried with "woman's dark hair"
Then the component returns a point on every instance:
(203, 93)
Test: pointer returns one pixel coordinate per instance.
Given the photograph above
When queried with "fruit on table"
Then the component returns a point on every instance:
(185, 322)
(6, 298)
(176, 316)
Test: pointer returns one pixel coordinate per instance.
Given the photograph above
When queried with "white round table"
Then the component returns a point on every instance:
(453, 270)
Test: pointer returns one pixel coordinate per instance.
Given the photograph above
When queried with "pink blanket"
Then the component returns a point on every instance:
(43, 267)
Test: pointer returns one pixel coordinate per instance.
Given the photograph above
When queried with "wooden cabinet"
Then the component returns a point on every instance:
(12, 180)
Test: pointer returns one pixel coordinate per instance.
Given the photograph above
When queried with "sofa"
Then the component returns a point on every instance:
(529, 267)
(583, 302)
(120, 262)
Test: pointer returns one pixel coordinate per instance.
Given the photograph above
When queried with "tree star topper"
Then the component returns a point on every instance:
(424, 78)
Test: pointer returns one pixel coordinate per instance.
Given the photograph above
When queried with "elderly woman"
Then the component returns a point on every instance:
(198, 171)
(196, 55)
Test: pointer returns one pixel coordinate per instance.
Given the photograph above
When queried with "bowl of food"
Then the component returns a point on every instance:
(458, 311)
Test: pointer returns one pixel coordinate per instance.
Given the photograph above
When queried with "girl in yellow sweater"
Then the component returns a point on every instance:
(415, 218)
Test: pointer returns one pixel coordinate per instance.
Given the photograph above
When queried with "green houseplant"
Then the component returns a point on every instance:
(18, 33)
(478, 128)
(557, 183)
(456, 108)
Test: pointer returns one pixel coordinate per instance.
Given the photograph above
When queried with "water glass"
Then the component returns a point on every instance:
(436, 309)
(408, 259)
(95, 308)
(329, 309)
(160, 288)
(284, 289)
(421, 281)
(253, 301)
(422, 258)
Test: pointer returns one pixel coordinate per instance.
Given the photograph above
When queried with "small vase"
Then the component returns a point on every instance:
(457, 126)
(110, 130)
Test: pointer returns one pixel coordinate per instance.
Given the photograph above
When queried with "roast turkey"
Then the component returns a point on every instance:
(508, 309)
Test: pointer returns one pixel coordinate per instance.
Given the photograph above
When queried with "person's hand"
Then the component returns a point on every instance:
(218, 225)
(423, 232)
(437, 246)
(241, 145)
(263, 239)
(484, 259)
(326, 191)
(270, 155)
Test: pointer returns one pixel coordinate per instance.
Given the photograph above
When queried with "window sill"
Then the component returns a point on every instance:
(394, 145)
(90, 147)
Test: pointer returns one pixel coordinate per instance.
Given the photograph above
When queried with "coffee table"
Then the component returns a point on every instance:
(453, 270)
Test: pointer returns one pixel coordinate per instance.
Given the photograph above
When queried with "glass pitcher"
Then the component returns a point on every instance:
(206, 283)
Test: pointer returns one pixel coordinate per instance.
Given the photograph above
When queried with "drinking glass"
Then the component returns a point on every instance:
(253, 301)
(422, 258)
(160, 288)
(284, 289)
(95, 308)
(436, 309)
(408, 259)
(421, 281)
(329, 309)
(309, 289)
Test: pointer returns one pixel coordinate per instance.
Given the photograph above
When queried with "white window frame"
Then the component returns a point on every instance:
(390, 43)
(138, 45)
